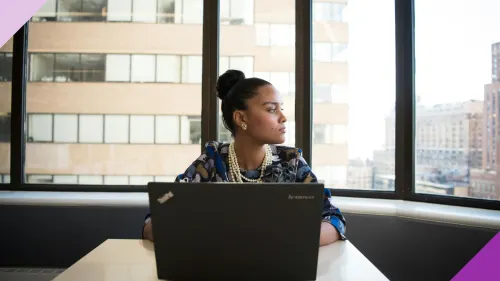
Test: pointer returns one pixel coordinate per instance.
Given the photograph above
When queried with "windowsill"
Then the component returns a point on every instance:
(382, 207)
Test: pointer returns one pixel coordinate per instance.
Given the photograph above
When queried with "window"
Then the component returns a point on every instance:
(66, 128)
(142, 129)
(346, 129)
(5, 67)
(105, 98)
(329, 52)
(47, 12)
(191, 69)
(116, 128)
(444, 105)
(327, 11)
(81, 10)
(143, 68)
(5, 109)
(40, 127)
(141, 180)
(167, 129)
(283, 81)
(190, 130)
(275, 34)
(117, 68)
(119, 10)
(5, 120)
(166, 11)
(91, 128)
(67, 67)
(144, 10)
(236, 12)
(168, 69)
(242, 63)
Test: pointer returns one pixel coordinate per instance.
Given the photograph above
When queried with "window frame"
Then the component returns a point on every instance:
(405, 107)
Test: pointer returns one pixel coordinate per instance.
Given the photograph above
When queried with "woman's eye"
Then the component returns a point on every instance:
(273, 110)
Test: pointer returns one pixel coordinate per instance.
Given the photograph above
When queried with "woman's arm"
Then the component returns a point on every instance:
(333, 224)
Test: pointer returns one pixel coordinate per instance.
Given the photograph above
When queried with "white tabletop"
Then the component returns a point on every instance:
(124, 260)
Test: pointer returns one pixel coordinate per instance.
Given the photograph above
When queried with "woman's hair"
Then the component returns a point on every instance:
(234, 90)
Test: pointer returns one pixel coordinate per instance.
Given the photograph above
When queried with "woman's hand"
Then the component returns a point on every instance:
(147, 232)
(329, 234)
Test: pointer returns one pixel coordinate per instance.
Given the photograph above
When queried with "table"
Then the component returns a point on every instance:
(132, 260)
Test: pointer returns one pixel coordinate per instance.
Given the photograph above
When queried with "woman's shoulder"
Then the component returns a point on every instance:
(216, 147)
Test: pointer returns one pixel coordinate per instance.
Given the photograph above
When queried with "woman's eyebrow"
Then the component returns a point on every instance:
(272, 102)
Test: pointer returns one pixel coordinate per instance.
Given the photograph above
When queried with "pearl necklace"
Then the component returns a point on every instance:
(234, 167)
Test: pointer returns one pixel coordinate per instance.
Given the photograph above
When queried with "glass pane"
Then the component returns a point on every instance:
(353, 94)
(110, 101)
(5, 108)
(457, 124)
(263, 46)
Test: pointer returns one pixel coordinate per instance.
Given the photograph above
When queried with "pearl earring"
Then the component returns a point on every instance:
(244, 126)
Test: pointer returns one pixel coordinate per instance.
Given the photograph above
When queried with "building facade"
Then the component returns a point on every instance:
(114, 91)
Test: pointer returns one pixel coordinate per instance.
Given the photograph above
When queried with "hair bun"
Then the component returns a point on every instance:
(227, 81)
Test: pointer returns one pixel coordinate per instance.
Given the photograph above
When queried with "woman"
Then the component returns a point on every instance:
(252, 110)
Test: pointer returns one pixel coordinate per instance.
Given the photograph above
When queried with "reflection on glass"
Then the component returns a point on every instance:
(458, 108)
(101, 111)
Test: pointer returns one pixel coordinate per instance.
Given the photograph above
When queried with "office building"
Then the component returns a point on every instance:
(114, 91)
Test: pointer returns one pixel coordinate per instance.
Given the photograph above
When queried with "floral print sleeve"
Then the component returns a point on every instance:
(331, 213)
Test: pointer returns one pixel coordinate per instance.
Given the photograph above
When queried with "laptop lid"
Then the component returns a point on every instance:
(228, 231)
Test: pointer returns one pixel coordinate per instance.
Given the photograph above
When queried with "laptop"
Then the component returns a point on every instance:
(230, 231)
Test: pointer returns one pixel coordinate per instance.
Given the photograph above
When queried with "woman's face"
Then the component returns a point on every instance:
(264, 116)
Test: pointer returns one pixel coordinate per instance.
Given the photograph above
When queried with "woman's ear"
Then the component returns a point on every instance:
(239, 118)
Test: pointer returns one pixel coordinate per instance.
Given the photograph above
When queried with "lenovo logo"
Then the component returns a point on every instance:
(165, 197)
(300, 197)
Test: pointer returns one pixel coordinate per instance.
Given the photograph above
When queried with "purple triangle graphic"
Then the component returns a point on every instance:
(15, 13)
(485, 266)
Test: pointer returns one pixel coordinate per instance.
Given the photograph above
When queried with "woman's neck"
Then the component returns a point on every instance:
(250, 154)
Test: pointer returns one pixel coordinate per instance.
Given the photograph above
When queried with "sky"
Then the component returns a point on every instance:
(453, 60)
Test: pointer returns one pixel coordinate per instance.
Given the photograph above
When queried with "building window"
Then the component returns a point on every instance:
(118, 68)
(167, 129)
(144, 11)
(116, 180)
(166, 11)
(4, 178)
(168, 69)
(42, 67)
(340, 134)
(327, 11)
(322, 134)
(116, 128)
(66, 128)
(165, 178)
(47, 12)
(140, 180)
(189, 11)
(244, 64)
(143, 68)
(91, 128)
(283, 81)
(65, 179)
(191, 69)
(81, 10)
(90, 180)
(119, 10)
(41, 179)
(142, 129)
(190, 130)
(5, 127)
(39, 127)
(236, 12)
(274, 34)
(329, 52)
(5, 67)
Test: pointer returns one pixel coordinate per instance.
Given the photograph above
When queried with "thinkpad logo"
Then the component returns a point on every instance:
(165, 197)
(299, 197)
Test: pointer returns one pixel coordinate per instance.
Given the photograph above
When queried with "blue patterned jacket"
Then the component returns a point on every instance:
(288, 165)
